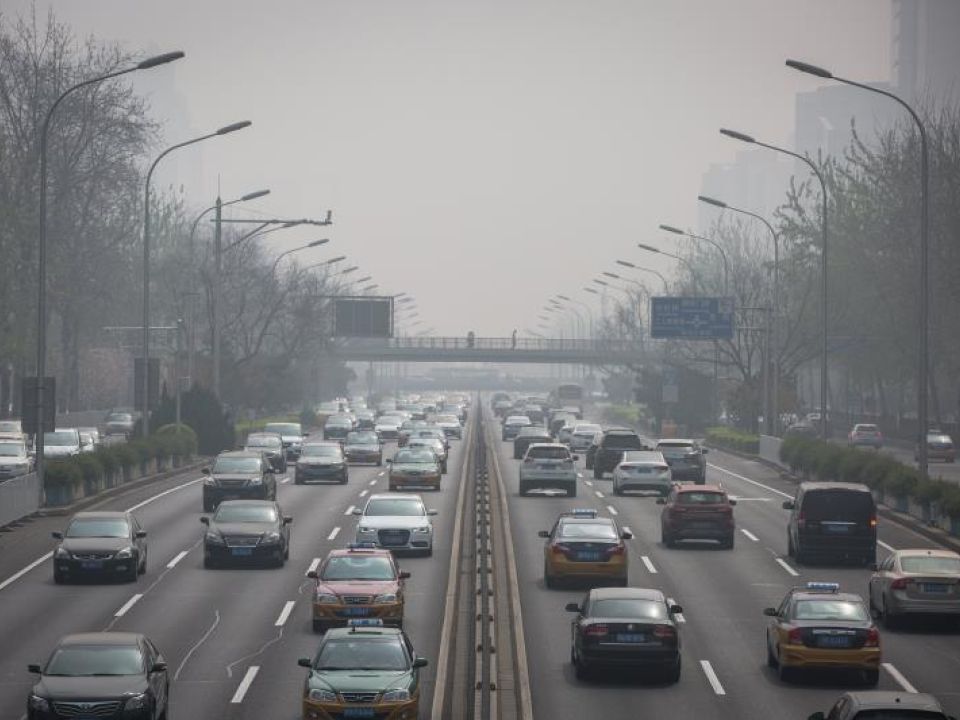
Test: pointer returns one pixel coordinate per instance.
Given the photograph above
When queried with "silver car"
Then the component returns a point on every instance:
(62, 443)
(14, 459)
(396, 522)
(916, 582)
(582, 436)
(548, 466)
(642, 470)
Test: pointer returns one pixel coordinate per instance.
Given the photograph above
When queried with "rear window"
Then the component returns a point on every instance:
(549, 453)
(701, 498)
(844, 505)
(897, 714)
(930, 564)
(629, 608)
(832, 610)
(587, 530)
(624, 441)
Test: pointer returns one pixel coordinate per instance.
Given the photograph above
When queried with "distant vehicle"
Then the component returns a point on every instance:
(548, 466)
(939, 447)
(414, 468)
(434, 445)
(11, 430)
(450, 424)
(583, 546)
(247, 531)
(115, 668)
(271, 445)
(590, 455)
(366, 419)
(291, 434)
(62, 443)
(363, 446)
(337, 427)
(512, 424)
(875, 704)
(237, 474)
(801, 429)
(697, 512)
(686, 460)
(865, 435)
(560, 420)
(612, 446)
(388, 426)
(582, 436)
(15, 459)
(90, 437)
(526, 436)
(396, 522)
(102, 544)
(642, 470)
(916, 582)
(832, 520)
(321, 461)
(119, 423)
(568, 394)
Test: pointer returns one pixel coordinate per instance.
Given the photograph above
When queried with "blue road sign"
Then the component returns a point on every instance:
(692, 318)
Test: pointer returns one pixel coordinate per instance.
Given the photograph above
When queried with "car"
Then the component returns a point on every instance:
(366, 420)
(502, 407)
(434, 445)
(548, 466)
(512, 425)
(818, 627)
(832, 520)
(612, 446)
(62, 443)
(584, 546)
(417, 467)
(450, 424)
(686, 459)
(591, 453)
(582, 436)
(432, 431)
(292, 435)
(697, 512)
(271, 445)
(98, 675)
(456, 409)
(15, 459)
(321, 461)
(915, 582)
(939, 447)
(119, 423)
(526, 436)
(633, 628)
(358, 581)
(865, 435)
(388, 426)
(12, 430)
(246, 531)
(100, 544)
(878, 704)
(560, 420)
(238, 474)
(534, 411)
(801, 429)
(642, 470)
(89, 439)
(363, 446)
(406, 430)
(337, 427)
(365, 670)
(565, 433)
(398, 522)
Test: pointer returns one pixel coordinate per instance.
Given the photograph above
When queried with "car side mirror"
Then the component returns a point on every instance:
(358, 511)
(732, 501)
(312, 574)
(875, 567)
(204, 520)
(158, 667)
(57, 535)
(661, 501)
(572, 607)
(205, 471)
(543, 534)
(770, 612)
(141, 534)
(287, 519)
(704, 451)
(676, 610)
(420, 662)
(270, 471)
(575, 457)
(817, 716)
(431, 512)
(404, 575)
(304, 662)
(626, 535)
(788, 504)
(389, 461)
(34, 669)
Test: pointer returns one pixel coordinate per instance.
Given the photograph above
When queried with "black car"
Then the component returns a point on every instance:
(626, 628)
(832, 520)
(271, 445)
(686, 460)
(100, 544)
(337, 427)
(246, 530)
(590, 455)
(321, 461)
(610, 451)
(101, 675)
(238, 474)
(526, 436)
(366, 419)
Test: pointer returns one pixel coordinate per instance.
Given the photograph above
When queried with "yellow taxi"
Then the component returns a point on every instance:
(817, 626)
(584, 546)
(360, 581)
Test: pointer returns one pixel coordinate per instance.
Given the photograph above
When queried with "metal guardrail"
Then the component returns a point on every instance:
(19, 497)
(494, 343)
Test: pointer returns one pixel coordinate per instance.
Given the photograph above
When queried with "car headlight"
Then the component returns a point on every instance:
(271, 538)
(214, 538)
(424, 529)
(209, 481)
(39, 704)
(62, 553)
(137, 702)
(365, 529)
(322, 696)
(256, 481)
(396, 695)
(127, 552)
(386, 598)
(325, 598)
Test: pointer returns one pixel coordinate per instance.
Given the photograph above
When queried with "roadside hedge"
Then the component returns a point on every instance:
(628, 415)
(733, 439)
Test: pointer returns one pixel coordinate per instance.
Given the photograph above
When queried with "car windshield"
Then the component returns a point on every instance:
(590, 530)
(829, 609)
(236, 465)
(99, 528)
(320, 451)
(844, 505)
(623, 440)
(12, 450)
(415, 456)
(9, 427)
(701, 498)
(60, 438)
(363, 438)
(558, 452)
(383, 507)
(230, 513)
(95, 661)
(283, 428)
(362, 652)
(358, 567)
(263, 441)
(934, 564)
(628, 608)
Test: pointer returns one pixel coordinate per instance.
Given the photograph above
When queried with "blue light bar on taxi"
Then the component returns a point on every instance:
(364, 622)
(829, 587)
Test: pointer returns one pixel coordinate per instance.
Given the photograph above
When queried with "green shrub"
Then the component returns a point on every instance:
(308, 418)
(90, 467)
(628, 415)
(204, 414)
(126, 455)
(900, 480)
(143, 448)
(828, 460)
(930, 491)
(950, 500)
(733, 439)
(107, 457)
(62, 472)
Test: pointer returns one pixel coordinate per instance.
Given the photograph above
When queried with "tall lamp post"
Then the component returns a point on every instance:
(39, 399)
(145, 386)
(823, 261)
(632, 266)
(924, 351)
(242, 198)
(723, 254)
(281, 256)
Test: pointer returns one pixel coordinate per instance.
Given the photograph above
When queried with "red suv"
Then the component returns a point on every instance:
(697, 512)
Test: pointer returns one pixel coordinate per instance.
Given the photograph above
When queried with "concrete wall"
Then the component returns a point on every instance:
(770, 449)
(19, 497)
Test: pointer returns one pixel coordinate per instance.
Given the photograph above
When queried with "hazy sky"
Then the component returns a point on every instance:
(481, 155)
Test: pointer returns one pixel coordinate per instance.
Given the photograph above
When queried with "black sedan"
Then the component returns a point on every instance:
(625, 627)
(238, 474)
(246, 530)
(100, 544)
(107, 674)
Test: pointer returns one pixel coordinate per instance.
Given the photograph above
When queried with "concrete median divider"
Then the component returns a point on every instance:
(19, 497)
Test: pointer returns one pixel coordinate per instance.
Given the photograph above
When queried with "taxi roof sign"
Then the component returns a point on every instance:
(826, 587)
(581, 513)
(362, 546)
(364, 622)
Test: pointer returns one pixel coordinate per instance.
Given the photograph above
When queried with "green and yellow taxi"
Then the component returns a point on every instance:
(359, 581)
(365, 671)
(584, 546)
(817, 626)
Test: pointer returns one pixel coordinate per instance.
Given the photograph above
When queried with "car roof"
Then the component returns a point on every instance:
(395, 496)
(347, 552)
(101, 514)
(370, 631)
(816, 485)
(925, 552)
(677, 442)
(533, 446)
(566, 518)
(880, 699)
(632, 593)
(534, 430)
(271, 503)
(803, 593)
(102, 638)
(693, 487)
(619, 431)
(635, 456)
(241, 453)
(517, 417)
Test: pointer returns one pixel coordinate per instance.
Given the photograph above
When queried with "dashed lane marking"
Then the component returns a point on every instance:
(752, 482)
(349, 510)
(333, 533)
(20, 573)
(363, 493)
(598, 493)
(245, 684)
(127, 605)
(612, 510)
(177, 558)
(285, 613)
(898, 676)
(314, 564)
(649, 565)
(712, 677)
(749, 534)
(589, 483)
(374, 481)
(285, 480)
(783, 563)
(678, 616)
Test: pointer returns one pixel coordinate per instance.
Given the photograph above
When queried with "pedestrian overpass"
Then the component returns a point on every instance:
(490, 350)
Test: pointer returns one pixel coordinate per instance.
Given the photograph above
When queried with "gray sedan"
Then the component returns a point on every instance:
(915, 582)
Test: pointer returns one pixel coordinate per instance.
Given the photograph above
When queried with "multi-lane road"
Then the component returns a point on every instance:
(232, 637)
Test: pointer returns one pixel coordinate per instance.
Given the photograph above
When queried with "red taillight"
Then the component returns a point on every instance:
(873, 638)
(899, 584)
(616, 550)
(560, 549)
(873, 522)
(801, 521)
(596, 630)
(795, 637)
(664, 631)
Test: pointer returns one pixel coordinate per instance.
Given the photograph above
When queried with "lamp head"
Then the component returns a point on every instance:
(672, 229)
(318, 243)
(809, 69)
(649, 248)
(255, 195)
(611, 275)
(711, 201)
(564, 297)
(159, 60)
(234, 127)
(626, 263)
(736, 135)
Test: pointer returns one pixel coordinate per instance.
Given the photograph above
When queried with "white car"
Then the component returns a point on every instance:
(450, 424)
(565, 434)
(642, 470)
(388, 426)
(61, 443)
(396, 522)
(14, 459)
(548, 466)
(582, 436)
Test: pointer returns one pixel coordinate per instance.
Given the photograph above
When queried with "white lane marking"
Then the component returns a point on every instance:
(589, 483)
(598, 493)
(163, 494)
(363, 492)
(334, 533)
(898, 676)
(177, 558)
(20, 573)
(127, 605)
(579, 475)
(712, 677)
(285, 613)
(649, 564)
(381, 473)
(285, 481)
(245, 684)
(374, 481)
(314, 564)
(349, 510)
(678, 616)
(886, 546)
(612, 510)
(783, 563)
(752, 482)
(626, 528)
(749, 534)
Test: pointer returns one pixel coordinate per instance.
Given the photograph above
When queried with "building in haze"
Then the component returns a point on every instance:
(926, 49)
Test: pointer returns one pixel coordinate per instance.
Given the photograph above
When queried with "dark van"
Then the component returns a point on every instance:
(610, 451)
(832, 520)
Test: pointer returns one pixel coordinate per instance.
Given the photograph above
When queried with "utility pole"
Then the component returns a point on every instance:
(217, 285)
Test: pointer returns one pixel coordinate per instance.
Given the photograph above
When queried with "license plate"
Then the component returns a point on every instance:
(355, 611)
(92, 564)
(700, 525)
(631, 638)
(360, 712)
(241, 551)
(834, 641)
(836, 529)
(588, 556)
(934, 587)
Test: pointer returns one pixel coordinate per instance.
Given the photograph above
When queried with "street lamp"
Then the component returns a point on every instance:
(923, 355)
(823, 261)
(243, 198)
(227, 129)
(39, 399)
(723, 254)
(632, 266)
(315, 243)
